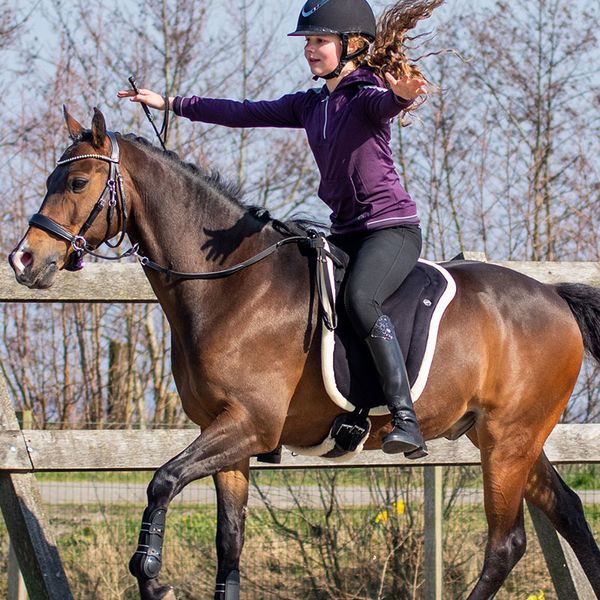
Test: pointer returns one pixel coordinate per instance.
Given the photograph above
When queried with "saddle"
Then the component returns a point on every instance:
(416, 309)
(349, 374)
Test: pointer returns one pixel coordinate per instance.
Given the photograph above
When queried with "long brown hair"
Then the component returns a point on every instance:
(389, 52)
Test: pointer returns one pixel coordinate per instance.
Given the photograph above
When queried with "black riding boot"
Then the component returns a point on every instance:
(386, 352)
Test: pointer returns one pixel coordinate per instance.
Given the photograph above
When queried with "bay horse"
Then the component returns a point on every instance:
(246, 349)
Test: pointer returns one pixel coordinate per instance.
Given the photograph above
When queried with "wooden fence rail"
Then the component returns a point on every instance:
(126, 282)
(110, 450)
(25, 452)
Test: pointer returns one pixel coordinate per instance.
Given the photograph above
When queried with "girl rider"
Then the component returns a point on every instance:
(347, 123)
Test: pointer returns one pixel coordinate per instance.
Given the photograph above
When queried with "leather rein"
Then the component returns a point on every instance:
(113, 195)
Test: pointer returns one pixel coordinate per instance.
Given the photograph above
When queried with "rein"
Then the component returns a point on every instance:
(171, 274)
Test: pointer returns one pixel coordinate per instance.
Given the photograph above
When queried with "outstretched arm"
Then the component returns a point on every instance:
(284, 112)
(382, 104)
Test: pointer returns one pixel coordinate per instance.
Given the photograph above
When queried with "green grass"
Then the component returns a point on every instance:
(96, 541)
(274, 477)
(581, 477)
(97, 476)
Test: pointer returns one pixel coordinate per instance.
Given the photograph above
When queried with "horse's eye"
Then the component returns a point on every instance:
(77, 184)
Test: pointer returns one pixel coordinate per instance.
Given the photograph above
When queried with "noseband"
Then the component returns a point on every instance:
(113, 194)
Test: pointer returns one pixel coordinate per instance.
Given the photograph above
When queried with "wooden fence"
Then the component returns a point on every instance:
(25, 452)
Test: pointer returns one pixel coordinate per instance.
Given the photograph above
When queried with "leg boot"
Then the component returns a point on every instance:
(386, 352)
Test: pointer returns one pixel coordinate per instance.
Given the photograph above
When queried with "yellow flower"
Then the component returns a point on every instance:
(383, 516)
(538, 596)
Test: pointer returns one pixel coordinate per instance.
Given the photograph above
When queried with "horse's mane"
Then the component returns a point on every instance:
(294, 226)
(211, 178)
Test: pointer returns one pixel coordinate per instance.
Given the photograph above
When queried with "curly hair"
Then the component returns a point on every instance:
(389, 52)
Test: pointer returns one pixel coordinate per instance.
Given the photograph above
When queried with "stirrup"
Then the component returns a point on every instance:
(271, 458)
(420, 452)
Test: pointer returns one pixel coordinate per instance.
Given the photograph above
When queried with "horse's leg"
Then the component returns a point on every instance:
(546, 490)
(505, 472)
(221, 444)
(232, 499)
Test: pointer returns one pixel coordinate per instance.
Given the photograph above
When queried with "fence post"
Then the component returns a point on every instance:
(32, 541)
(434, 566)
(16, 583)
(567, 575)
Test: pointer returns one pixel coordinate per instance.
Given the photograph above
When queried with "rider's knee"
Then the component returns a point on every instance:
(361, 308)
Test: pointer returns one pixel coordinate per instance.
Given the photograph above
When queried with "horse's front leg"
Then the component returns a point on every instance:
(229, 440)
(232, 500)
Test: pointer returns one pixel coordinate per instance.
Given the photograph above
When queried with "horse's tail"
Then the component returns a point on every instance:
(584, 302)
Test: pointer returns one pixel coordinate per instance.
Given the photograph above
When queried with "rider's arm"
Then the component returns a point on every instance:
(284, 112)
(381, 104)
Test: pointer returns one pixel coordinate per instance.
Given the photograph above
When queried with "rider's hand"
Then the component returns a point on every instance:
(147, 97)
(407, 87)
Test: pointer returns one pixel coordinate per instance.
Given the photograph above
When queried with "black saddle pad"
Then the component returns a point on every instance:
(411, 309)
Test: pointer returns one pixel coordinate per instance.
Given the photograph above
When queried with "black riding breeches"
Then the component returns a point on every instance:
(379, 262)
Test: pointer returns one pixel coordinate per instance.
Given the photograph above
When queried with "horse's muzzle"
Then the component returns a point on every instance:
(31, 273)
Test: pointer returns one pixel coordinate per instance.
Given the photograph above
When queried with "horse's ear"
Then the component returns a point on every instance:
(98, 129)
(75, 128)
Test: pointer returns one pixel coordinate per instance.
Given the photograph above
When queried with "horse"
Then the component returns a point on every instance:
(246, 351)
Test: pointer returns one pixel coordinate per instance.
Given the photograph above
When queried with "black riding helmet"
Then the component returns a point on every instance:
(339, 17)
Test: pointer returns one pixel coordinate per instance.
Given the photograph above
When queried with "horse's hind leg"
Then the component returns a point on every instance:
(505, 471)
(546, 490)
(232, 500)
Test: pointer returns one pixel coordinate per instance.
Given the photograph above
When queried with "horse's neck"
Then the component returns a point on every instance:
(186, 225)
(179, 229)
(179, 220)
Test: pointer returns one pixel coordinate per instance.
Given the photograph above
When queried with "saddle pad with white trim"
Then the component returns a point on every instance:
(416, 310)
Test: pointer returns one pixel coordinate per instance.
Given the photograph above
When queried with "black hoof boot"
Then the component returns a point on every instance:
(230, 589)
(147, 559)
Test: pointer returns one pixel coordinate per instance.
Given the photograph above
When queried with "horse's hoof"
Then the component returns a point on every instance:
(152, 590)
(170, 595)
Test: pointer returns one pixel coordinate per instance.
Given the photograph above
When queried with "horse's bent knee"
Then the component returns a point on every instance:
(162, 488)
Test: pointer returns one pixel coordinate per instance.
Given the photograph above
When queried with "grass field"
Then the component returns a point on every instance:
(370, 551)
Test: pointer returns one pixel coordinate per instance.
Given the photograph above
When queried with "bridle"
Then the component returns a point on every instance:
(112, 196)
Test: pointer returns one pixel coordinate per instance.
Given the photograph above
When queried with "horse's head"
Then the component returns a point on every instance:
(84, 206)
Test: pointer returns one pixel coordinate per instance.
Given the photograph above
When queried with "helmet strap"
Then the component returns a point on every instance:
(345, 58)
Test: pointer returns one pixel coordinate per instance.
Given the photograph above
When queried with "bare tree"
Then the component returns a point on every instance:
(537, 67)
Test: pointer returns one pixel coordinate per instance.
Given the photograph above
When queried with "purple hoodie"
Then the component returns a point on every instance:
(349, 134)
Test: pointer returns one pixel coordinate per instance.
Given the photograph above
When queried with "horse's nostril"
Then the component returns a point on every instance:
(26, 258)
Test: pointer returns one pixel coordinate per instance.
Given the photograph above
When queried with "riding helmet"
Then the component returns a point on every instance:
(338, 17)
